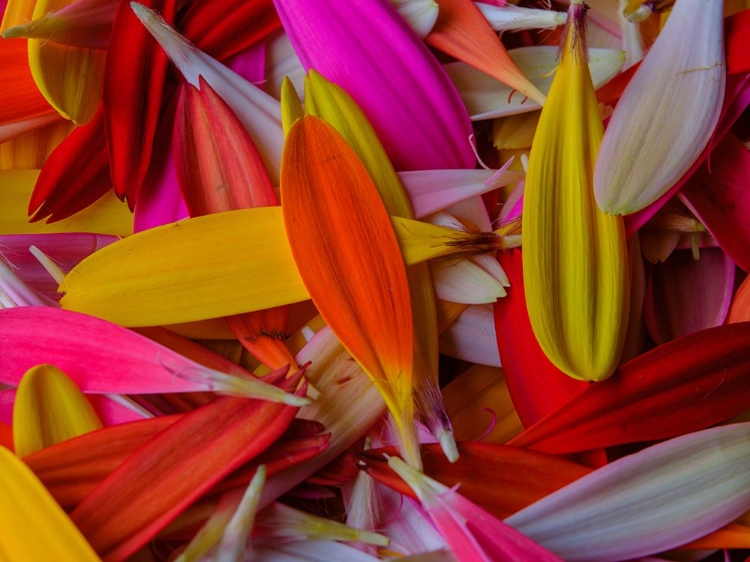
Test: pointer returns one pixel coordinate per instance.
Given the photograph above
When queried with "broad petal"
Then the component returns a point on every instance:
(75, 95)
(28, 507)
(631, 175)
(647, 502)
(49, 408)
(357, 282)
(576, 276)
(369, 50)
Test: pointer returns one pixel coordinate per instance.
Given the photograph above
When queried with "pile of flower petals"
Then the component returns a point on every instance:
(373, 280)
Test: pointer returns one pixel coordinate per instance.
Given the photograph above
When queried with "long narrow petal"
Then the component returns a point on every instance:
(463, 32)
(335, 106)
(207, 25)
(369, 50)
(343, 242)
(220, 169)
(28, 507)
(575, 260)
(500, 478)
(75, 175)
(134, 84)
(680, 84)
(472, 533)
(486, 98)
(81, 346)
(132, 282)
(174, 468)
(647, 502)
(687, 384)
(49, 408)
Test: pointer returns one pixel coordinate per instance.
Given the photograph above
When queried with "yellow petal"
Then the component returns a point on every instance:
(34, 526)
(49, 408)
(70, 78)
(168, 275)
(107, 216)
(575, 259)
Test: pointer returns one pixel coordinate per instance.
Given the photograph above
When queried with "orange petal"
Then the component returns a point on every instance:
(350, 262)
(463, 32)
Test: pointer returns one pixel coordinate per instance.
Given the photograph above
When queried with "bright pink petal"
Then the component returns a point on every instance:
(368, 49)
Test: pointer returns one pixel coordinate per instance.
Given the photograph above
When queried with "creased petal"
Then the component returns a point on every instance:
(685, 385)
(175, 468)
(575, 262)
(363, 295)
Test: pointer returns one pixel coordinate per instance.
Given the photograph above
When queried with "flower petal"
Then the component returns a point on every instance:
(28, 507)
(49, 408)
(679, 84)
(357, 281)
(647, 502)
(575, 260)
(687, 384)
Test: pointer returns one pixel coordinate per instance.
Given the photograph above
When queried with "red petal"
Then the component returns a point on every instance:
(223, 28)
(737, 39)
(75, 175)
(175, 468)
(499, 478)
(536, 386)
(685, 385)
(133, 93)
(719, 196)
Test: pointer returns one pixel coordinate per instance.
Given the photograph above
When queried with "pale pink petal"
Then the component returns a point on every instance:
(684, 295)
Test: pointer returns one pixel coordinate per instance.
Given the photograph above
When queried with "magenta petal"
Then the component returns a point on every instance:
(719, 196)
(100, 357)
(66, 249)
(368, 49)
(160, 201)
(685, 295)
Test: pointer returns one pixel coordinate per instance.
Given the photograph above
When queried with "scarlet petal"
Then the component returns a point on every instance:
(133, 94)
(536, 386)
(75, 175)
(685, 385)
(737, 39)
(500, 478)
(206, 24)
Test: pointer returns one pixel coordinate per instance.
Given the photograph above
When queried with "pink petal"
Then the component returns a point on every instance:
(685, 295)
(368, 49)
